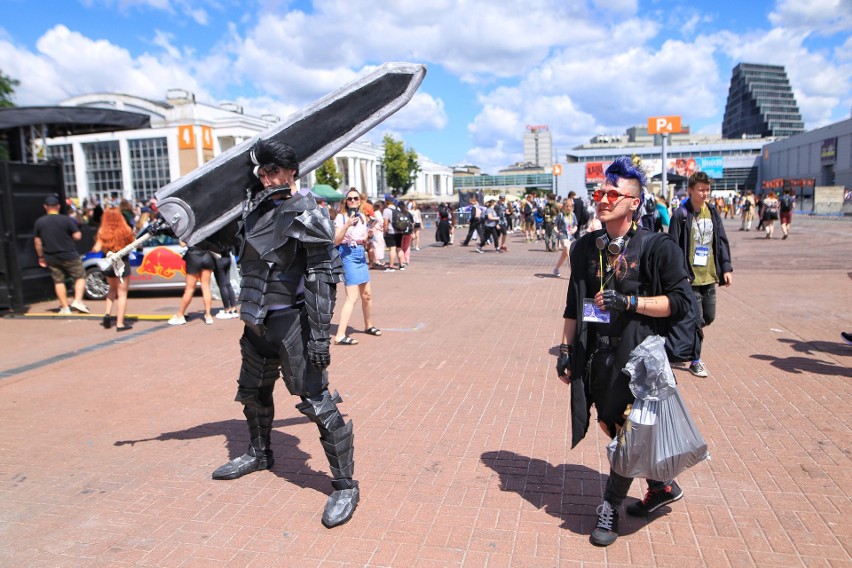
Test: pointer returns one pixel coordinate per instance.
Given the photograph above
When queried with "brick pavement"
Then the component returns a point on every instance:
(462, 434)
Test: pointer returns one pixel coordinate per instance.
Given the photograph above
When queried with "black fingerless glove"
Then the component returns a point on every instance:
(617, 302)
(318, 353)
(563, 361)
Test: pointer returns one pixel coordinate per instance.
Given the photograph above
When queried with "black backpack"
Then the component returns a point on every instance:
(682, 337)
(786, 203)
(401, 222)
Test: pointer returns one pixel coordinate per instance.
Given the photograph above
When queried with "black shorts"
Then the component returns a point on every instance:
(198, 260)
(394, 240)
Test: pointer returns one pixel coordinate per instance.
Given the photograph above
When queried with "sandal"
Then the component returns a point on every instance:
(373, 331)
(346, 341)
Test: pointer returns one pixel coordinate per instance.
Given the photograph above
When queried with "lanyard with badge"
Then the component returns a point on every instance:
(617, 247)
(702, 251)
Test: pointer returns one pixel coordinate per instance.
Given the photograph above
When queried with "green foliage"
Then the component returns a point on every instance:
(7, 89)
(401, 165)
(327, 174)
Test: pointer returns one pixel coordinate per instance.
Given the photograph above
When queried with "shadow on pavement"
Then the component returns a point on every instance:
(799, 365)
(811, 347)
(569, 492)
(291, 463)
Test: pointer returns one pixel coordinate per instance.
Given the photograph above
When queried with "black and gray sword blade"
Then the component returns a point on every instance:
(200, 203)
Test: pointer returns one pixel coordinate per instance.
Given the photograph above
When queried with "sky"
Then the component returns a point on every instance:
(581, 67)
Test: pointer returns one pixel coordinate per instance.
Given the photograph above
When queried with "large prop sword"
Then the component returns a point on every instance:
(205, 200)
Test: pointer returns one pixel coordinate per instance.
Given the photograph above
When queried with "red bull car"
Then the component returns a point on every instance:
(158, 266)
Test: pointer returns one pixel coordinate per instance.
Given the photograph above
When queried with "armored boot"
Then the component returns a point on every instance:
(259, 454)
(337, 439)
(339, 449)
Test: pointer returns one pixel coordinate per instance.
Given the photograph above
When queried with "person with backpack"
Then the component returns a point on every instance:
(548, 216)
(443, 232)
(474, 223)
(626, 284)
(747, 206)
(786, 212)
(527, 209)
(770, 213)
(393, 235)
(405, 224)
(697, 228)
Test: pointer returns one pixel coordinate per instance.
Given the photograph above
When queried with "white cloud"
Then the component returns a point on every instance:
(67, 64)
(822, 16)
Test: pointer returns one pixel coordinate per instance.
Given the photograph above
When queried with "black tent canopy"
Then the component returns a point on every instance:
(20, 125)
(67, 121)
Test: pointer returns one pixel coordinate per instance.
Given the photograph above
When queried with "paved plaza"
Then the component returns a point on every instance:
(462, 434)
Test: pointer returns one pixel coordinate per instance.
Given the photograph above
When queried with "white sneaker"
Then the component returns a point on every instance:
(416, 248)
(223, 315)
(556, 272)
(698, 369)
(177, 320)
(234, 315)
(66, 311)
(80, 306)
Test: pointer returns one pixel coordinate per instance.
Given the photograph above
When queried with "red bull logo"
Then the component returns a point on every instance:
(163, 262)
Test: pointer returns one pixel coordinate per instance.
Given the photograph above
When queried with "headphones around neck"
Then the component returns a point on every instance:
(615, 246)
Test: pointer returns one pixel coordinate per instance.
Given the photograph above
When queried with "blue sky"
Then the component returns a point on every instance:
(583, 67)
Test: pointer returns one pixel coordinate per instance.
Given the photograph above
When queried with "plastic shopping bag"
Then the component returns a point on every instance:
(659, 440)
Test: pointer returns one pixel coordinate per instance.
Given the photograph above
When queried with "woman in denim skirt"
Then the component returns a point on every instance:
(351, 233)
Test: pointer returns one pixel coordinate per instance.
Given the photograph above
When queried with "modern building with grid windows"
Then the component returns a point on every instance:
(761, 103)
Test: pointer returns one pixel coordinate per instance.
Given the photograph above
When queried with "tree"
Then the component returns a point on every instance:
(7, 89)
(327, 174)
(401, 166)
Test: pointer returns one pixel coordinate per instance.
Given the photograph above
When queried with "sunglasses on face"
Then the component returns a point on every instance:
(353, 199)
(611, 195)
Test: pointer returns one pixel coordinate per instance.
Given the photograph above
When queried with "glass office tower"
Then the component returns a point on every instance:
(761, 103)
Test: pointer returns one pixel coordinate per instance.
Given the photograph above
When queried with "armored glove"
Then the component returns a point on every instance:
(318, 353)
(617, 302)
(563, 361)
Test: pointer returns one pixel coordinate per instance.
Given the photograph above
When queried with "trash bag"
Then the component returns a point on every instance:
(659, 440)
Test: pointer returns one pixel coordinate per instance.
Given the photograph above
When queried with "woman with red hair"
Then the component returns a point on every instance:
(113, 235)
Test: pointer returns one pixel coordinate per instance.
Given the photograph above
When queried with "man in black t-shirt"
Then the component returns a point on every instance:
(54, 244)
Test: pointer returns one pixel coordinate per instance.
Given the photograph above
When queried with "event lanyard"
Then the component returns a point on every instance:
(698, 226)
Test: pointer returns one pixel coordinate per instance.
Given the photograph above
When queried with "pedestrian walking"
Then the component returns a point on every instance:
(771, 207)
(54, 236)
(417, 216)
(223, 261)
(565, 226)
(747, 208)
(698, 230)
(199, 268)
(474, 224)
(113, 235)
(785, 213)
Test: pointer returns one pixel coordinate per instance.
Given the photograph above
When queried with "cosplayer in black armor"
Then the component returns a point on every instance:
(290, 270)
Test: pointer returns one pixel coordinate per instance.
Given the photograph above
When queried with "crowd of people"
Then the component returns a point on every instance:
(637, 266)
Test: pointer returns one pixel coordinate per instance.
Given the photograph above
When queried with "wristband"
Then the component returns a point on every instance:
(633, 304)
(566, 349)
